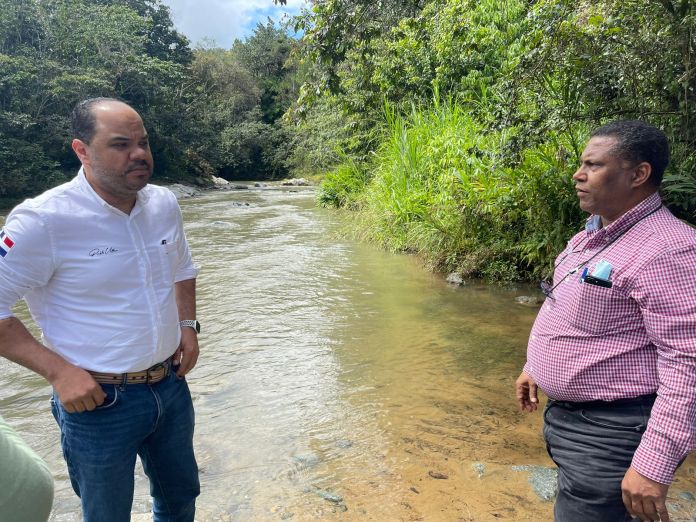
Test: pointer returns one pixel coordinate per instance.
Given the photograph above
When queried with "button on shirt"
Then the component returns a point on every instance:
(637, 337)
(99, 282)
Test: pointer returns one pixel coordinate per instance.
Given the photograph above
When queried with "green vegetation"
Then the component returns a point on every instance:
(460, 122)
(208, 111)
(450, 128)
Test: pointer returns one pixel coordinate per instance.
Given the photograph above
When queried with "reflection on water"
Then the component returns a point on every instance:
(336, 381)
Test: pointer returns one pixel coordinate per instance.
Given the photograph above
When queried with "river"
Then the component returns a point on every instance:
(338, 381)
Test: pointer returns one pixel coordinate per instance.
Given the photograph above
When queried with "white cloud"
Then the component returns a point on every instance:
(225, 20)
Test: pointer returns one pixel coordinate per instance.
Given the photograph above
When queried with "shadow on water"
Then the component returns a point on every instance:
(337, 381)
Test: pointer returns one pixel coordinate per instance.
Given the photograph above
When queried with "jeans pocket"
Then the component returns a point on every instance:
(112, 395)
(623, 422)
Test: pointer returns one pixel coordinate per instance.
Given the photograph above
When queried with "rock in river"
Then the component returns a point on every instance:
(183, 191)
(305, 461)
(527, 300)
(455, 279)
(330, 496)
(544, 481)
(295, 182)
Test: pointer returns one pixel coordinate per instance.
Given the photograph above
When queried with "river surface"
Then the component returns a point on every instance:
(337, 381)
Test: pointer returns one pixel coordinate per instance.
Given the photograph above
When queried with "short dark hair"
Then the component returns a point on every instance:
(638, 141)
(83, 121)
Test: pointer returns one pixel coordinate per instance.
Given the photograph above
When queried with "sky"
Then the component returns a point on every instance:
(225, 20)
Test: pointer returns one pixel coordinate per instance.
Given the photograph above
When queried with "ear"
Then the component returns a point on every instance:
(81, 150)
(641, 174)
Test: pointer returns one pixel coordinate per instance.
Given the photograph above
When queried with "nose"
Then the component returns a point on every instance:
(579, 174)
(138, 153)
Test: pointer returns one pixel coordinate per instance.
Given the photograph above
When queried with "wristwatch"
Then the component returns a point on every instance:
(191, 323)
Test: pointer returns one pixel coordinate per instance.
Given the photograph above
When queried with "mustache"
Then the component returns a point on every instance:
(138, 166)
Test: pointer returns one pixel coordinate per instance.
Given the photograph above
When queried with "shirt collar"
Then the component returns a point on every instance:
(141, 198)
(626, 221)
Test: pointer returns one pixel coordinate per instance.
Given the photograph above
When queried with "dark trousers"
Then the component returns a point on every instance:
(593, 444)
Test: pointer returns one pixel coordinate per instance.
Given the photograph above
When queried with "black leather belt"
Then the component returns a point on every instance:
(645, 400)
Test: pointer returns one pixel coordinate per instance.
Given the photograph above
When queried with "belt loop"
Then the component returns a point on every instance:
(124, 381)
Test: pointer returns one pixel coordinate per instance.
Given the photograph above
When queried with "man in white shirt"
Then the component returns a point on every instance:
(104, 266)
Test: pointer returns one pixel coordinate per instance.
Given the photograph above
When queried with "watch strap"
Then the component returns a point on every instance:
(191, 323)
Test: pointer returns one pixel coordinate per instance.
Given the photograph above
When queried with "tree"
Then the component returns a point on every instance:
(54, 53)
(265, 55)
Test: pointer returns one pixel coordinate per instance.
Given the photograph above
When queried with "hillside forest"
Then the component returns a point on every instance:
(447, 128)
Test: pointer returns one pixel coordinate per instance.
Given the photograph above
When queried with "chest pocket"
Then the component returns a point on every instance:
(168, 258)
(599, 310)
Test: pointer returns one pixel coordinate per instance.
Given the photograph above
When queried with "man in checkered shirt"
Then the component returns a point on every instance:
(614, 345)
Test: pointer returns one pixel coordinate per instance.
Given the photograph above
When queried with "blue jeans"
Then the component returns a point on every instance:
(593, 446)
(153, 421)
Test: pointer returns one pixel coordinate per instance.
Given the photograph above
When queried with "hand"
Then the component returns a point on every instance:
(187, 353)
(644, 498)
(77, 389)
(526, 389)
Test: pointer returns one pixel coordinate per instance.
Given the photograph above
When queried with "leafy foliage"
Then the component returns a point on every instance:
(207, 111)
(481, 182)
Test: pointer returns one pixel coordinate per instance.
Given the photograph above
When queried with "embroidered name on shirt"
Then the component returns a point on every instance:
(102, 251)
(5, 243)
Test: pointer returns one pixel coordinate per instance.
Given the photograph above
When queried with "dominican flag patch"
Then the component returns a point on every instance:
(6, 243)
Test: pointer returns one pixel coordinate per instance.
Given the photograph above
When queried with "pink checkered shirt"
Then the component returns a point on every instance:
(635, 338)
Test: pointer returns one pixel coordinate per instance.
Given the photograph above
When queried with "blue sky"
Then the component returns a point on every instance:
(225, 20)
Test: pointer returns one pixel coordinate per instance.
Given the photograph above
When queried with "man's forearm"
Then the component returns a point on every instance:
(19, 346)
(76, 388)
(185, 292)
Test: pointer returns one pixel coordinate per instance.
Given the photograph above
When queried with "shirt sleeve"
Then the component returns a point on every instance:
(666, 293)
(26, 257)
(26, 484)
(185, 268)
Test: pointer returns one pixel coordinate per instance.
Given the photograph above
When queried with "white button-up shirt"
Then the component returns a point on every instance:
(99, 282)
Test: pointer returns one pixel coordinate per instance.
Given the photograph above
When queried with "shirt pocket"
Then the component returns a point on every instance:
(599, 310)
(169, 257)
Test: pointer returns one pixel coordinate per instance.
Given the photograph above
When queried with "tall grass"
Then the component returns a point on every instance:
(443, 185)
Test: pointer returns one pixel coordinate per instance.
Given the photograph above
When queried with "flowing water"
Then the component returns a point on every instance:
(337, 381)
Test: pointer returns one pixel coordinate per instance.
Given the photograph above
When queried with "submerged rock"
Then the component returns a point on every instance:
(306, 461)
(527, 300)
(686, 495)
(438, 475)
(455, 279)
(544, 481)
(330, 496)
